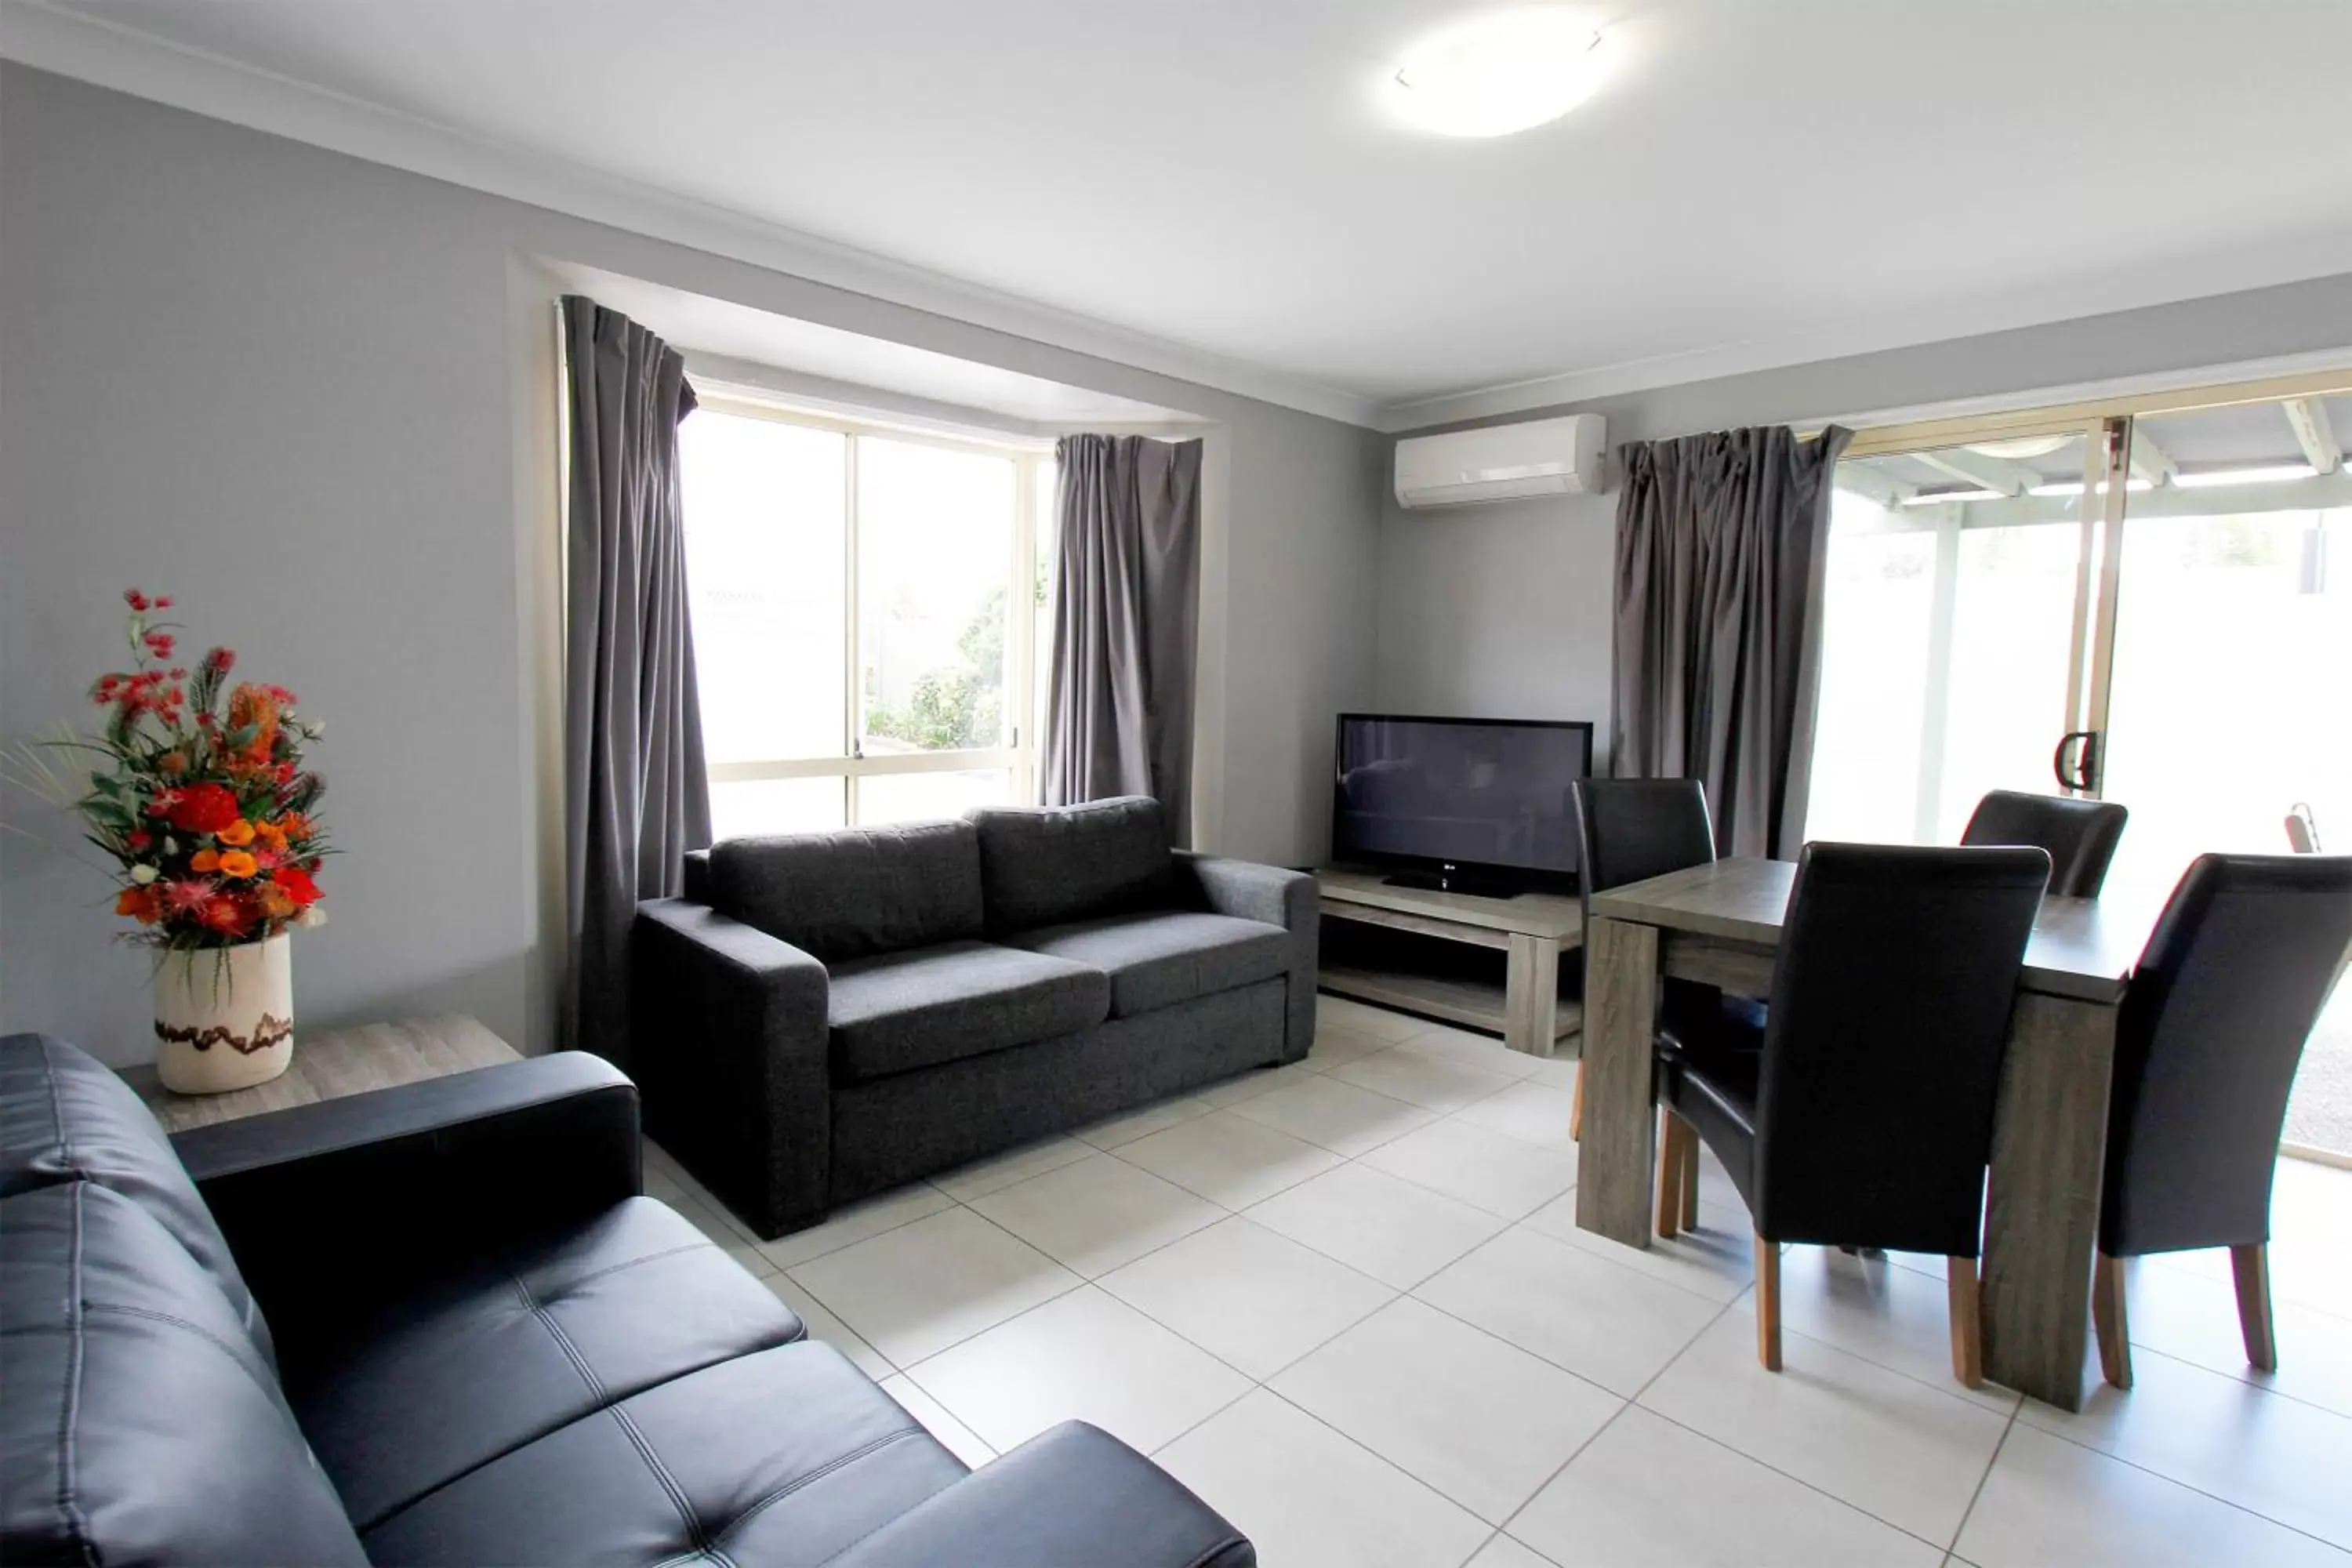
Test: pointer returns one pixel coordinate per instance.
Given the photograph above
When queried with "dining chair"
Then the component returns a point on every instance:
(2080, 835)
(1863, 1117)
(2211, 1027)
(1629, 830)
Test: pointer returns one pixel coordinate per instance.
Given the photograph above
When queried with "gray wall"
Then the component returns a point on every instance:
(1504, 610)
(306, 393)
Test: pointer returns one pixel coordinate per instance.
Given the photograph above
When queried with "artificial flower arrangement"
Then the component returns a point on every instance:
(204, 805)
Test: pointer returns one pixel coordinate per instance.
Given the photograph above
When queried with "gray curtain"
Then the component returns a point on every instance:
(634, 795)
(1721, 543)
(1127, 600)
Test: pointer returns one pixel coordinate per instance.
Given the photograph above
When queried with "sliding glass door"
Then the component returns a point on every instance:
(2150, 605)
(1952, 640)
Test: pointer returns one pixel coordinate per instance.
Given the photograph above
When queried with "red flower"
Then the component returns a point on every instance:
(165, 802)
(296, 885)
(225, 914)
(220, 660)
(134, 598)
(163, 601)
(160, 643)
(186, 895)
(138, 838)
(203, 808)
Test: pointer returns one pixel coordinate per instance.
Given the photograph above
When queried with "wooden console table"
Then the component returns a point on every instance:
(330, 1065)
(1532, 929)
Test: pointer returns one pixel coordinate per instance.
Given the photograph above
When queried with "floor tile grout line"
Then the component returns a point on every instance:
(1626, 1402)
(2189, 1487)
(2243, 1381)
(1952, 1547)
(1814, 1487)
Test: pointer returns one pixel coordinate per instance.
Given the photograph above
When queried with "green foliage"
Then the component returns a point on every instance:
(956, 710)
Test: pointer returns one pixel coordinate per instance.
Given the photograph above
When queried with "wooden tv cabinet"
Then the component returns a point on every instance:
(1531, 931)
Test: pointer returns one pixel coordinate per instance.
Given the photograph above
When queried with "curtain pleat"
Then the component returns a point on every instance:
(1722, 541)
(1126, 594)
(636, 795)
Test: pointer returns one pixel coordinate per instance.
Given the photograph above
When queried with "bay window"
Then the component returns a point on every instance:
(867, 604)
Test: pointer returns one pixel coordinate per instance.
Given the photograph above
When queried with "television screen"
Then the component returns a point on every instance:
(1469, 791)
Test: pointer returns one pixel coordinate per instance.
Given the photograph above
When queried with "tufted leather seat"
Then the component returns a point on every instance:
(450, 1376)
(493, 1351)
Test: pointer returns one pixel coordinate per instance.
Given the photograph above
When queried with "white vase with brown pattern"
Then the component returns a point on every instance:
(225, 1017)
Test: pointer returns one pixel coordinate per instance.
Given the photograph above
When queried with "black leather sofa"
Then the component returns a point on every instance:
(830, 1015)
(439, 1324)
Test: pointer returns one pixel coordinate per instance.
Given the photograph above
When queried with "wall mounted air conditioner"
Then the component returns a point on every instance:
(1503, 462)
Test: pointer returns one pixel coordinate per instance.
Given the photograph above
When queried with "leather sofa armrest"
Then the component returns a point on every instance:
(730, 1041)
(1071, 1496)
(1278, 897)
(375, 1183)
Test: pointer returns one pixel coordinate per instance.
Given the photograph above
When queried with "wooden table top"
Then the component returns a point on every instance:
(2081, 948)
(1555, 915)
(334, 1063)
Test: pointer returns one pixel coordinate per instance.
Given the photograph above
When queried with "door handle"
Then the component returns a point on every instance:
(2083, 772)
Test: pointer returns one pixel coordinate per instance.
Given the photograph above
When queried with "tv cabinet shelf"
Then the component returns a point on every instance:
(1491, 964)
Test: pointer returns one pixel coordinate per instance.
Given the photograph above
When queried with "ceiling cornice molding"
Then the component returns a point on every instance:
(2326, 256)
(109, 55)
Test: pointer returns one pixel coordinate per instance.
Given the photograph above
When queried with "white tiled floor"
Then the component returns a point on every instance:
(1347, 1302)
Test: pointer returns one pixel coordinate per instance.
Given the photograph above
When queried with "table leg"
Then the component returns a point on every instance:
(1531, 994)
(2042, 1206)
(1614, 1169)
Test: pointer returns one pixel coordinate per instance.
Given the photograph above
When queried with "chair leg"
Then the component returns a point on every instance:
(1690, 1178)
(1576, 1107)
(1767, 1304)
(1671, 1134)
(1962, 1298)
(2250, 1267)
(2108, 1316)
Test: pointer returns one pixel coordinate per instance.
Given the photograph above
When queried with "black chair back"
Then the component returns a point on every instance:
(2232, 978)
(1629, 830)
(2080, 835)
(1891, 999)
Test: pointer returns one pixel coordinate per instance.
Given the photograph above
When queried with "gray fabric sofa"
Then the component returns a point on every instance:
(825, 1015)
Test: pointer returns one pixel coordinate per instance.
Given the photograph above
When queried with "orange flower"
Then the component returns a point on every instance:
(172, 763)
(205, 860)
(275, 903)
(236, 863)
(256, 706)
(272, 836)
(294, 825)
(143, 904)
(236, 835)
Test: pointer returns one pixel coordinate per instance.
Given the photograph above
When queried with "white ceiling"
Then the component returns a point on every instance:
(1761, 182)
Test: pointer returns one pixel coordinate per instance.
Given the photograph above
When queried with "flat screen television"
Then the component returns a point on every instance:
(1477, 805)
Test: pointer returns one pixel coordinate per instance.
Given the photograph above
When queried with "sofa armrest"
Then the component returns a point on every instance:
(1278, 897)
(1070, 1498)
(1251, 892)
(731, 1045)
(375, 1183)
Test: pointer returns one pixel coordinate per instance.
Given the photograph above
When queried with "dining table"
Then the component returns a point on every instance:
(1719, 924)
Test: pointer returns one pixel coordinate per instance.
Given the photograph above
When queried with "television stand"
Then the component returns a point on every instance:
(1492, 964)
(1483, 886)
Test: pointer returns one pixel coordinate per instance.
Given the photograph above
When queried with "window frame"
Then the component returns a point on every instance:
(1033, 461)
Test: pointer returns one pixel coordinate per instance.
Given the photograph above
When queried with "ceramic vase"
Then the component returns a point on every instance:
(225, 1017)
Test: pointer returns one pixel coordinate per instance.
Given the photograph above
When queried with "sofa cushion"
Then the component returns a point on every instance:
(1042, 866)
(140, 1423)
(855, 893)
(461, 1369)
(908, 1010)
(66, 1116)
(781, 1459)
(1157, 960)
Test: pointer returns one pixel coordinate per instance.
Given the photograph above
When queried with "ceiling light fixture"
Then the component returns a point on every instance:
(1508, 73)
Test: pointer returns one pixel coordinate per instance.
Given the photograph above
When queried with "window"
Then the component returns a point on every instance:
(868, 607)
